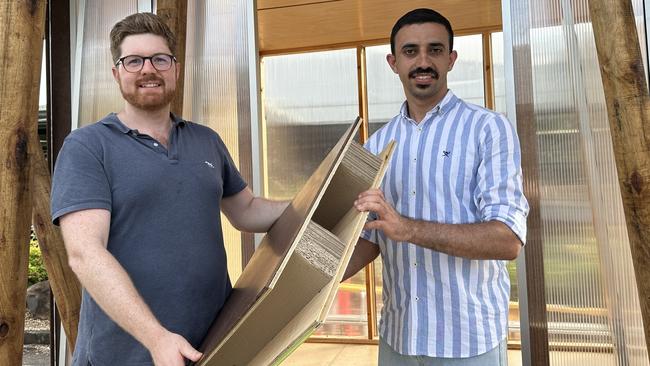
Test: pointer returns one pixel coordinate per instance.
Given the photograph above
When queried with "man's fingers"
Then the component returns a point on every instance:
(372, 225)
(189, 352)
(372, 192)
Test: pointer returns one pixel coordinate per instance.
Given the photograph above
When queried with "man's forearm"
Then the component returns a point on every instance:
(486, 240)
(364, 253)
(110, 286)
(262, 213)
(252, 214)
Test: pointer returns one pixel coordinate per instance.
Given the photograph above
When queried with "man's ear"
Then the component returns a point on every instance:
(178, 70)
(116, 74)
(453, 56)
(390, 58)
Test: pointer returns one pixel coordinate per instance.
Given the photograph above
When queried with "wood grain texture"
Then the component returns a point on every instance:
(21, 44)
(315, 24)
(65, 286)
(174, 14)
(628, 109)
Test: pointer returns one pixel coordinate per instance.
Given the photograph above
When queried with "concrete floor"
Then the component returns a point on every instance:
(324, 354)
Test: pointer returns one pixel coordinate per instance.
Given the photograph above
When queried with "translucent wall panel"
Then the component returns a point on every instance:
(385, 93)
(498, 82)
(590, 286)
(309, 101)
(217, 91)
(98, 92)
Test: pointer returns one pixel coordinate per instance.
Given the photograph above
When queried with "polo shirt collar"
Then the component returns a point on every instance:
(113, 121)
(445, 105)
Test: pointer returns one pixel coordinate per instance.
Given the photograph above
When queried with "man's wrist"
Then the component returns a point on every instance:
(408, 227)
(152, 335)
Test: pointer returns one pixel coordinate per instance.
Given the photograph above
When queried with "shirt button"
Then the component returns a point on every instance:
(412, 193)
(417, 298)
(415, 159)
(415, 264)
(155, 144)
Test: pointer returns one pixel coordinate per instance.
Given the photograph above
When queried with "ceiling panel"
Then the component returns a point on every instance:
(312, 24)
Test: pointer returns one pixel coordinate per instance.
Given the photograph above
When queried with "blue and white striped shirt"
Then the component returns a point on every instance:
(461, 164)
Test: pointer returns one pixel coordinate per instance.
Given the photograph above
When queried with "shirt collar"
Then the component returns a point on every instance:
(113, 121)
(445, 105)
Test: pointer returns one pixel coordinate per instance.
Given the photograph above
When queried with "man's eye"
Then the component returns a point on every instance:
(133, 61)
(160, 59)
(409, 51)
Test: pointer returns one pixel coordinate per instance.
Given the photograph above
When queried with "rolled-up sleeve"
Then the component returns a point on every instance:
(499, 192)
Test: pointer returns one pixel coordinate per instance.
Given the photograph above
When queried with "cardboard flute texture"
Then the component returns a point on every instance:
(286, 290)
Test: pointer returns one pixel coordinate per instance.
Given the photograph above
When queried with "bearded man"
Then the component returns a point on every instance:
(138, 196)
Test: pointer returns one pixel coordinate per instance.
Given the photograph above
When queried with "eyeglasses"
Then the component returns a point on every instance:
(135, 63)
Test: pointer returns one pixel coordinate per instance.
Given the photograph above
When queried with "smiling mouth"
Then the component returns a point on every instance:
(424, 75)
(149, 85)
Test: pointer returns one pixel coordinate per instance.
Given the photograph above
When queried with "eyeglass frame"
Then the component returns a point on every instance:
(144, 60)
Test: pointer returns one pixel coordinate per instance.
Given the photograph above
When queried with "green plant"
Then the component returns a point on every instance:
(37, 272)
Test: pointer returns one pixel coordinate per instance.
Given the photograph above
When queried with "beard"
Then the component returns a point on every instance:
(423, 91)
(150, 102)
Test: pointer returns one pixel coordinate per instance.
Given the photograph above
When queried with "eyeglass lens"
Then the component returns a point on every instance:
(134, 63)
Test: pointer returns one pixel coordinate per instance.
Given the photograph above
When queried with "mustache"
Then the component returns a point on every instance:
(420, 70)
(148, 79)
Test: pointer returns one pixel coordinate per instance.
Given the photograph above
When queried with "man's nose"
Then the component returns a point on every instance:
(147, 66)
(423, 60)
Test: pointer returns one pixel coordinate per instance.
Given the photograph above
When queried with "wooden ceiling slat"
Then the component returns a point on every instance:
(271, 4)
(311, 24)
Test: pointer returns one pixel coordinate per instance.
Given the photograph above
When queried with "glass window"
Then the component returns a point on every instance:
(498, 72)
(309, 101)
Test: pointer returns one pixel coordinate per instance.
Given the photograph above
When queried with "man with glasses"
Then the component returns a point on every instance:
(449, 214)
(138, 196)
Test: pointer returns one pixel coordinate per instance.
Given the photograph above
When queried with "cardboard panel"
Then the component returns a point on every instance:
(294, 299)
(263, 270)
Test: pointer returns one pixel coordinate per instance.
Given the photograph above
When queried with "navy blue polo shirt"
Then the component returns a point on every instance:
(165, 226)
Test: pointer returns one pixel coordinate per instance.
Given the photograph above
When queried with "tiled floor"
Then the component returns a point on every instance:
(323, 354)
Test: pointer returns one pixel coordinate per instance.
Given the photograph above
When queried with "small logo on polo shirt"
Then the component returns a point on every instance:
(209, 164)
(445, 154)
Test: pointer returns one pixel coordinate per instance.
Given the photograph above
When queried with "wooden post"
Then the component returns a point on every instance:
(65, 286)
(174, 13)
(628, 109)
(22, 25)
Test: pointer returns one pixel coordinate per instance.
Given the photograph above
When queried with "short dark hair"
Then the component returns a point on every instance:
(140, 23)
(419, 16)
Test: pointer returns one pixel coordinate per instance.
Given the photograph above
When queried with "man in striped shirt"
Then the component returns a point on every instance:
(449, 214)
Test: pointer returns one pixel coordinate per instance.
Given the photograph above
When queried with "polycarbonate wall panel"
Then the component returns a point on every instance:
(590, 285)
(99, 94)
(309, 101)
(217, 91)
(385, 92)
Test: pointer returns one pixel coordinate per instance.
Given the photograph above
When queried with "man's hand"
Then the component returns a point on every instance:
(394, 225)
(172, 350)
(482, 240)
